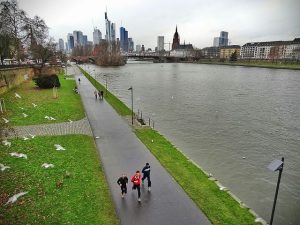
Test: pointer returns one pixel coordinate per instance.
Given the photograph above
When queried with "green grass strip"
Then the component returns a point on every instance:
(118, 105)
(67, 106)
(83, 198)
(218, 205)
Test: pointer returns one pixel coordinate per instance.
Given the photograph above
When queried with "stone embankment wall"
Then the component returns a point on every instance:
(12, 77)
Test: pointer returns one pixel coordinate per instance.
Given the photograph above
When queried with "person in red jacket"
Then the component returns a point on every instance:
(136, 180)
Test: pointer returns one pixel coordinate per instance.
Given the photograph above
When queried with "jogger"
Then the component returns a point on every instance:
(146, 174)
(122, 182)
(136, 180)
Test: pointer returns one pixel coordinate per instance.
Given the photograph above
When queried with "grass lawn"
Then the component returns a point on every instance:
(218, 205)
(67, 106)
(83, 198)
(118, 105)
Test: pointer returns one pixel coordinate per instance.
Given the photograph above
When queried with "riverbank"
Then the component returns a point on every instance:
(254, 64)
(213, 200)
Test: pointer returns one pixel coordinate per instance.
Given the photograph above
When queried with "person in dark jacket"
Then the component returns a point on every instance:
(136, 180)
(146, 174)
(122, 182)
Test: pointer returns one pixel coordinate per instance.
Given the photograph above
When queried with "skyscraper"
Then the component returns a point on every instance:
(70, 40)
(130, 45)
(84, 40)
(113, 32)
(222, 40)
(160, 43)
(61, 44)
(97, 36)
(124, 39)
(78, 38)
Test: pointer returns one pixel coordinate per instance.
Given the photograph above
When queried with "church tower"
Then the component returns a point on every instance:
(176, 40)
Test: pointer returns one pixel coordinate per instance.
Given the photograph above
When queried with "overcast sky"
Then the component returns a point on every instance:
(198, 21)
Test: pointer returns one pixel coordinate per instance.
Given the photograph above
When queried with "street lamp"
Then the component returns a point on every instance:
(274, 166)
(131, 89)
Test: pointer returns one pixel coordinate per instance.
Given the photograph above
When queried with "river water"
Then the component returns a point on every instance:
(232, 121)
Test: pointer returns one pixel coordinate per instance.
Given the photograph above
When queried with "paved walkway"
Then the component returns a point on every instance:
(122, 152)
(75, 127)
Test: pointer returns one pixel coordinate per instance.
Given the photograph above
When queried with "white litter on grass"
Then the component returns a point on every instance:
(3, 167)
(17, 95)
(152, 141)
(14, 198)
(25, 138)
(34, 105)
(18, 155)
(59, 147)
(5, 120)
(71, 121)
(25, 115)
(47, 117)
(51, 118)
(46, 165)
(6, 143)
(32, 136)
(21, 108)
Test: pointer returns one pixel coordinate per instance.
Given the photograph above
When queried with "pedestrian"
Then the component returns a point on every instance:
(102, 95)
(122, 182)
(146, 174)
(96, 94)
(136, 180)
(99, 94)
(79, 80)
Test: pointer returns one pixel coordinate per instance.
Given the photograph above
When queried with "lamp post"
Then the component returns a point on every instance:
(131, 89)
(274, 166)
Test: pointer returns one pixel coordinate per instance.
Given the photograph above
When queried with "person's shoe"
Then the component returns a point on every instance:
(149, 188)
(139, 199)
(122, 196)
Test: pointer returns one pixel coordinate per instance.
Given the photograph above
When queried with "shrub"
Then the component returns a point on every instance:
(47, 81)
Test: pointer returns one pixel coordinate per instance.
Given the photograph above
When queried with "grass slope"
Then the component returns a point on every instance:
(218, 205)
(84, 197)
(67, 106)
(118, 105)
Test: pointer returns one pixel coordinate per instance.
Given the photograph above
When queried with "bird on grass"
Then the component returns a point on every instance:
(3, 167)
(25, 115)
(51, 118)
(25, 138)
(6, 143)
(5, 120)
(34, 105)
(46, 165)
(18, 155)
(14, 198)
(17, 95)
(59, 147)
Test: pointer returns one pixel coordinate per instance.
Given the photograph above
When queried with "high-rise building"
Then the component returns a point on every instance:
(70, 40)
(222, 40)
(61, 44)
(160, 43)
(97, 36)
(84, 40)
(138, 48)
(78, 38)
(113, 32)
(124, 39)
(130, 45)
(108, 26)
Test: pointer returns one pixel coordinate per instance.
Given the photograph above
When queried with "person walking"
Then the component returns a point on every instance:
(99, 94)
(102, 95)
(96, 94)
(136, 180)
(79, 80)
(122, 182)
(146, 174)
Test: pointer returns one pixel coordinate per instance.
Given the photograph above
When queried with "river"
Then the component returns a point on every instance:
(232, 121)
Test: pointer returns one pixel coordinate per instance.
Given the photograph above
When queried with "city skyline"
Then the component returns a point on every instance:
(245, 21)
